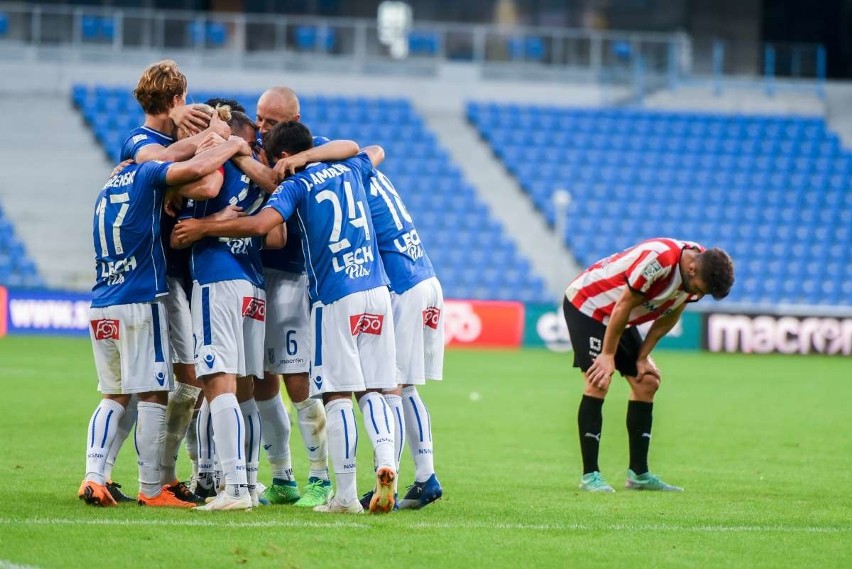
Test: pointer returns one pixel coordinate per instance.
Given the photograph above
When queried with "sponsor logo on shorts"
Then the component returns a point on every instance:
(161, 379)
(595, 346)
(366, 324)
(270, 353)
(254, 307)
(318, 382)
(105, 329)
(209, 359)
(432, 317)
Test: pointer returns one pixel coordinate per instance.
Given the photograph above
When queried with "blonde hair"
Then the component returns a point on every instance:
(224, 111)
(159, 84)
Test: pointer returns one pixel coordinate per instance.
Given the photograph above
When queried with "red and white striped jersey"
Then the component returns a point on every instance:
(651, 268)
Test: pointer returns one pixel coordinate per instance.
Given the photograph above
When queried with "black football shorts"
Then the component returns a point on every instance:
(587, 336)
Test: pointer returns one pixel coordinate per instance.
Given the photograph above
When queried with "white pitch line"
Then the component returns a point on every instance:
(411, 524)
(4, 564)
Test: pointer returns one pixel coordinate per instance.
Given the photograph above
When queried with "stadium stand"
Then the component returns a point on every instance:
(470, 249)
(17, 268)
(774, 191)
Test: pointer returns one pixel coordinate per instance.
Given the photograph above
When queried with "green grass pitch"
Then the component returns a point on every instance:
(761, 443)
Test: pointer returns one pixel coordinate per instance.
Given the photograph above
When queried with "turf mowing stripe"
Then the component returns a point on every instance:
(426, 525)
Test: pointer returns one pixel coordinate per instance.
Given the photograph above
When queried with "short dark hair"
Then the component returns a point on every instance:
(239, 118)
(291, 137)
(717, 271)
(220, 102)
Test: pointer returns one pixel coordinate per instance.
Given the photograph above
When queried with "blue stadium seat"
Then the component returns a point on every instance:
(737, 179)
(315, 38)
(423, 42)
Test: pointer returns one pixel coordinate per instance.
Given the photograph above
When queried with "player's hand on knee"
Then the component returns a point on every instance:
(601, 370)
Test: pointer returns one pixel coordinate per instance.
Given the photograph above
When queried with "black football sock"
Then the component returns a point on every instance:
(590, 421)
(639, 419)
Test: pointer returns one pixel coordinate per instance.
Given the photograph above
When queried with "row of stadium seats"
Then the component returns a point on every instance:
(774, 192)
(17, 269)
(472, 255)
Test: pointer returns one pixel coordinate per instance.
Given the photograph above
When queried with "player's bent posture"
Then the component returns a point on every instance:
(351, 315)
(228, 314)
(128, 319)
(418, 305)
(649, 282)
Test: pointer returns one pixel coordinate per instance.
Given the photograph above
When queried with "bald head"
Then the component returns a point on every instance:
(278, 104)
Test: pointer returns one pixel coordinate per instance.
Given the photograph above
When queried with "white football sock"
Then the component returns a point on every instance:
(150, 435)
(418, 432)
(312, 427)
(192, 443)
(100, 435)
(276, 436)
(342, 445)
(229, 437)
(378, 419)
(178, 415)
(395, 403)
(204, 440)
(251, 419)
(125, 425)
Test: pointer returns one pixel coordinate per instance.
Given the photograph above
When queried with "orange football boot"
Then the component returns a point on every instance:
(95, 494)
(164, 499)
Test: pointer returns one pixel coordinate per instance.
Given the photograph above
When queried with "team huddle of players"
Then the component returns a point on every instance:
(233, 254)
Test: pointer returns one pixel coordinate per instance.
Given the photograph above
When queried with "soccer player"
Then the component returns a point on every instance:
(161, 93)
(128, 319)
(287, 324)
(287, 321)
(649, 282)
(351, 315)
(228, 313)
(418, 304)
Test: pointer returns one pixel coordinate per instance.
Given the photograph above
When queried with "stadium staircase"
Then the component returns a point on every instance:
(774, 191)
(471, 250)
(42, 164)
(505, 197)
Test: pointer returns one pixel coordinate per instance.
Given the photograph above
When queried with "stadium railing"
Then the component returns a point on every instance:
(644, 61)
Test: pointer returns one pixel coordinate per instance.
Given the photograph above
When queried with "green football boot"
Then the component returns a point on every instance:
(280, 492)
(593, 482)
(648, 481)
(317, 493)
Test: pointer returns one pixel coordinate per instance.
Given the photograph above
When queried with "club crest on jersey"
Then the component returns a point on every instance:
(409, 244)
(105, 329)
(353, 262)
(254, 307)
(366, 324)
(432, 317)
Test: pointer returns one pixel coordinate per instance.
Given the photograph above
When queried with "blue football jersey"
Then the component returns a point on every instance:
(403, 255)
(141, 137)
(289, 258)
(216, 259)
(177, 260)
(131, 263)
(338, 239)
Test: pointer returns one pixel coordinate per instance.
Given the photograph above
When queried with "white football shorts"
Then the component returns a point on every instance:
(288, 315)
(418, 321)
(353, 346)
(180, 323)
(131, 348)
(228, 319)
